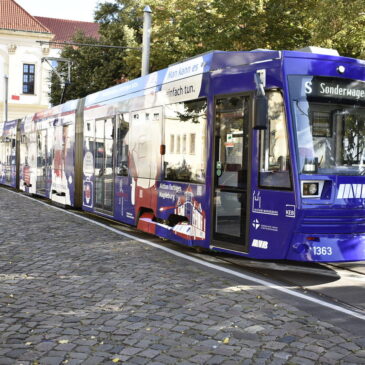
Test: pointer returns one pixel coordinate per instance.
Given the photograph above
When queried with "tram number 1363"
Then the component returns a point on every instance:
(322, 251)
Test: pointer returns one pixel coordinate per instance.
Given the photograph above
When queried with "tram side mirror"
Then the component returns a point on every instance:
(162, 149)
(261, 113)
(261, 105)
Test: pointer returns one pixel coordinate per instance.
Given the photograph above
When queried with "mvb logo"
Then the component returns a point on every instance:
(260, 244)
(351, 191)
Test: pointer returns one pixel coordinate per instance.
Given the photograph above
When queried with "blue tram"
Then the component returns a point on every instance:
(259, 154)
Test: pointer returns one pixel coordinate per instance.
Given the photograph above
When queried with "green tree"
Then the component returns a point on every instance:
(92, 69)
(95, 68)
(123, 19)
(339, 24)
(185, 28)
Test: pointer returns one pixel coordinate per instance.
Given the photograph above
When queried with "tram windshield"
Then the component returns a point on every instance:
(329, 117)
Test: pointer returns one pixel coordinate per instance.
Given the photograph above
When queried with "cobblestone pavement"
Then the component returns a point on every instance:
(72, 292)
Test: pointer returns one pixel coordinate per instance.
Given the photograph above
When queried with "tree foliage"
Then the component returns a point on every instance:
(92, 69)
(184, 28)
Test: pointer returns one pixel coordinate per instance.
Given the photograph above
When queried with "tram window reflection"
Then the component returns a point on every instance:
(330, 125)
(186, 161)
(144, 144)
(232, 133)
(229, 213)
(122, 145)
(274, 150)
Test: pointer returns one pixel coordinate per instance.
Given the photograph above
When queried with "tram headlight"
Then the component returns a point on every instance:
(310, 189)
(341, 69)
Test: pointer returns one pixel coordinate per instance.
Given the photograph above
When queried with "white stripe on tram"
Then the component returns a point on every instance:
(247, 277)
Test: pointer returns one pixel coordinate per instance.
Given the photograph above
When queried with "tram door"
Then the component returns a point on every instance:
(104, 165)
(231, 170)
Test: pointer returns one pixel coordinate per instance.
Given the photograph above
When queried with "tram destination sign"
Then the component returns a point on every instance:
(335, 88)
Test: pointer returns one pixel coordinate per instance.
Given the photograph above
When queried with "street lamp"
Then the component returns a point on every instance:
(147, 20)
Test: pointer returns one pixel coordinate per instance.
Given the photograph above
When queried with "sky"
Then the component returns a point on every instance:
(65, 9)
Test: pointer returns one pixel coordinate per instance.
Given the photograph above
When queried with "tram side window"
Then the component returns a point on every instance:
(185, 159)
(122, 145)
(144, 143)
(274, 150)
(41, 148)
(2, 152)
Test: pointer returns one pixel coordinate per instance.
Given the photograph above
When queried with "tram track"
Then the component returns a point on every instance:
(360, 268)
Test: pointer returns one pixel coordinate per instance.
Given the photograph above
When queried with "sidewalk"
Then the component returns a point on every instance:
(72, 292)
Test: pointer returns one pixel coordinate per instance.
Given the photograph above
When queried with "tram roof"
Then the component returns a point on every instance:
(207, 62)
(6, 126)
(203, 63)
(58, 110)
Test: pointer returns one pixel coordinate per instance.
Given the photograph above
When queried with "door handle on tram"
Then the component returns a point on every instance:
(218, 168)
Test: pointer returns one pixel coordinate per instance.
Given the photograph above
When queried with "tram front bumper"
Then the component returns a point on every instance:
(327, 248)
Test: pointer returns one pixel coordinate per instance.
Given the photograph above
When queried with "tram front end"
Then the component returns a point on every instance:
(326, 113)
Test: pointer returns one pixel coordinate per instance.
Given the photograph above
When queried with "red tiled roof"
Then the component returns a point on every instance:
(64, 29)
(14, 17)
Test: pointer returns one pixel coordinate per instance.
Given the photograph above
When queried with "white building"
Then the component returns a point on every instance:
(21, 66)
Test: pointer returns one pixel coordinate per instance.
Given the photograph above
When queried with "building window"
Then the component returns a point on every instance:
(178, 139)
(192, 143)
(184, 143)
(28, 79)
(172, 143)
